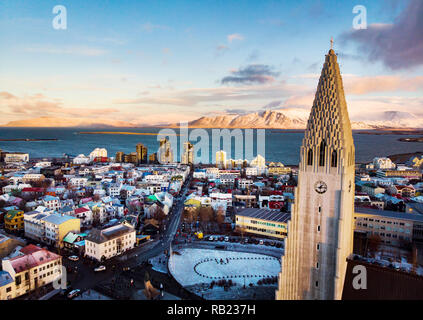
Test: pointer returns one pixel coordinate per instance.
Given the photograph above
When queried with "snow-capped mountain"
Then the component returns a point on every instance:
(295, 118)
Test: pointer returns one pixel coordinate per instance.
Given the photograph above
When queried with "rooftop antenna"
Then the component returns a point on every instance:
(331, 43)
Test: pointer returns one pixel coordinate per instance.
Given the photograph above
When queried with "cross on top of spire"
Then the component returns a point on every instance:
(331, 43)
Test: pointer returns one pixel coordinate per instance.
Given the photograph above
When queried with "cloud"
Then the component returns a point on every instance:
(234, 36)
(398, 45)
(273, 105)
(365, 85)
(196, 97)
(41, 105)
(236, 111)
(253, 73)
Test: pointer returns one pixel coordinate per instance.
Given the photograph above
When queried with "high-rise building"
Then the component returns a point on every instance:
(165, 153)
(119, 156)
(188, 155)
(320, 233)
(141, 153)
(152, 158)
(221, 159)
(130, 158)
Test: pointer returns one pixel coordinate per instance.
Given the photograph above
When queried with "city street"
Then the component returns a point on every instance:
(86, 278)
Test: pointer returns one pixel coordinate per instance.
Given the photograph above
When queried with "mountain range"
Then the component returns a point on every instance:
(295, 118)
(292, 118)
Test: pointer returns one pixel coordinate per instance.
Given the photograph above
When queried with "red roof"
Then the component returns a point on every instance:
(32, 190)
(33, 256)
(81, 210)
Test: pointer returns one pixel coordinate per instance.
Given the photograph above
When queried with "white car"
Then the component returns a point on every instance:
(74, 293)
(261, 242)
(100, 268)
(73, 258)
(211, 238)
(226, 239)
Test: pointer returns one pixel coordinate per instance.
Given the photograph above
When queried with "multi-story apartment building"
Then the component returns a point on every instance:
(264, 222)
(78, 182)
(110, 242)
(32, 268)
(394, 228)
(53, 203)
(16, 157)
(14, 221)
(28, 177)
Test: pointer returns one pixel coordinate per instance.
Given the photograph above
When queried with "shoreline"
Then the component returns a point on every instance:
(30, 139)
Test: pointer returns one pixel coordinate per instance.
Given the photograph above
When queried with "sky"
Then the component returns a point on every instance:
(154, 62)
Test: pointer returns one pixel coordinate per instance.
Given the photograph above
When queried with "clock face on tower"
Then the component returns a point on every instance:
(320, 187)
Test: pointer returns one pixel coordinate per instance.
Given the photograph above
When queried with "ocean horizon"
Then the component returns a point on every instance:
(280, 145)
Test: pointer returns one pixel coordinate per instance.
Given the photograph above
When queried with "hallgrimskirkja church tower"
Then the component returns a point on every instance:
(320, 233)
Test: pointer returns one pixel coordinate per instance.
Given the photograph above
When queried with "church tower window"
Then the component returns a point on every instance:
(322, 153)
(334, 160)
(310, 157)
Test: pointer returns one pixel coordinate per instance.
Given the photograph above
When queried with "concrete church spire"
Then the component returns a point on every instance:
(320, 233)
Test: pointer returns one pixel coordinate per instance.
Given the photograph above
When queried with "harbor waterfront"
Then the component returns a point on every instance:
(281, 145)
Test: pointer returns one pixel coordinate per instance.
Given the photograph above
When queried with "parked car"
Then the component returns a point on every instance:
(73, 258)
(100, 268)
(261, 242)
(211, 238)
(226, 239)
(245, 240)
(74, 293)
(221, 238)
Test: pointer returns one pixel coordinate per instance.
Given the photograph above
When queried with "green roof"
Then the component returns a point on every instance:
(11, 214)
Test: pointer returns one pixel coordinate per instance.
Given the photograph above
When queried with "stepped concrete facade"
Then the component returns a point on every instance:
(320, 233)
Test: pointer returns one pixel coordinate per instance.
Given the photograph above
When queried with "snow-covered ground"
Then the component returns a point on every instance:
(159, 263)
(193, 266)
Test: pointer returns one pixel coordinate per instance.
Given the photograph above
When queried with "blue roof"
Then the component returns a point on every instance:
(80, 243)
(50, 198)
(57, 218)
(5, 278)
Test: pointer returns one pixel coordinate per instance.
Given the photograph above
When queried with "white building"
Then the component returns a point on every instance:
(28, 177)
(245, 183)
(16, 157)
(98, 153)
(78, 182)
(114, 189)
(51, 202)
(81, 159)
(43, 164)
(110, 242)
(251, 171)
(383, 163)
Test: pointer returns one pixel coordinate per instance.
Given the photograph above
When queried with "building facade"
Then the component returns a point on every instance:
(105, 244)
(321, 229)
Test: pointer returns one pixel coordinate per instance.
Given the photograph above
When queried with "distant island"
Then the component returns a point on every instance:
(113, 132)
(419, 139)
(29, 139)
